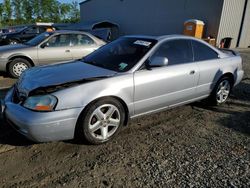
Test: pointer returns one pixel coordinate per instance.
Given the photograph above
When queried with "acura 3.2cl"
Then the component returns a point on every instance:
(135, 75)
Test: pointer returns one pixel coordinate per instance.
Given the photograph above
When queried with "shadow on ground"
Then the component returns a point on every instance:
(235, 119)
(4, 74)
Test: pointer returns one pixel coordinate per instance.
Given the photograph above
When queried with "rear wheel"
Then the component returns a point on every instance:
(221, 91)
(18, 66)
(101, 121)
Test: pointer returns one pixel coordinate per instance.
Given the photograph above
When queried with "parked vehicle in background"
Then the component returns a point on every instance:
(105, 30)
(21, 34)
(94, 97)
(4, 31)
(47, 48)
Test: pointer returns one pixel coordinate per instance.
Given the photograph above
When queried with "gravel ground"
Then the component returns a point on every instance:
(190, 146)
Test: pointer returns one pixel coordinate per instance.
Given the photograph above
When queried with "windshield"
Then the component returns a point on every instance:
(120, 55)
(17, 29)
(38, 39)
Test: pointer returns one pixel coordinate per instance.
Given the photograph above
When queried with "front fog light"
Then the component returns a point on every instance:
(41, 103)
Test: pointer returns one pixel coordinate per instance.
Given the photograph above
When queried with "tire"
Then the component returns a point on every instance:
(17, 66)
(13, 41)
(221, 91)
(101, 121)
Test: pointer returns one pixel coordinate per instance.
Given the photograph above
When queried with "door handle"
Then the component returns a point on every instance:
(192, 72)
(67, 50)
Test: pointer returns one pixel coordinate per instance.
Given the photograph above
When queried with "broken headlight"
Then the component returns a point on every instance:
(44, 103)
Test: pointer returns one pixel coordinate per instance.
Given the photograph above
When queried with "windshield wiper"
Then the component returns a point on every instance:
(89, 62)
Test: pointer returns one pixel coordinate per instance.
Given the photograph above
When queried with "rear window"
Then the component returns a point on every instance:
(202, 52)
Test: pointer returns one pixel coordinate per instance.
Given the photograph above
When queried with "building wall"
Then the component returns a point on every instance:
(231, 19)
(245, 34)
(154, 17)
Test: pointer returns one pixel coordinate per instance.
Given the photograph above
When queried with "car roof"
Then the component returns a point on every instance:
(160, 38)
(67, 32)
(175, 36)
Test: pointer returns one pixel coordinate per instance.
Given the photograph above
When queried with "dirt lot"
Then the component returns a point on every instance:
(191, 146)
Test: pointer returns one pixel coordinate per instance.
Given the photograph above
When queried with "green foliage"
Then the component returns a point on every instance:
(16, 12)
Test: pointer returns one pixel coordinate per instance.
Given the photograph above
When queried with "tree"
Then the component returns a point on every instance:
(14, 12)
(27, 10)
(75, 14)
(1, 13)
(65, 9)
(17, 4)
(7, 11)
(36, 6)
(50, 11)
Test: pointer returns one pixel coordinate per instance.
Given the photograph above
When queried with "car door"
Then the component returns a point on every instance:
(56, 49)
(208, 62)
(169, 85)
(82, 45)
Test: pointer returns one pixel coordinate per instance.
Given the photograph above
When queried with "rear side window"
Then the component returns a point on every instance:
(177, 52)
(203, 52)
(81, 40)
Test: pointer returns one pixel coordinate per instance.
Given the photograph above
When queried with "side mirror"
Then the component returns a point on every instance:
(158, 62)
(44, 45)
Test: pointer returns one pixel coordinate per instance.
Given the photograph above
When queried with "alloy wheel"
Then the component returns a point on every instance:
(223, 91)
(104, 122)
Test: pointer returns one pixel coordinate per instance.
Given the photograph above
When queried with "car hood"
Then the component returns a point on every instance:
(13, 47)
(58, 74)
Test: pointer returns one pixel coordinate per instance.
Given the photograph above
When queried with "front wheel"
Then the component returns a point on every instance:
(13, 41)
(18, 66)
(221, 91)
(102, 121)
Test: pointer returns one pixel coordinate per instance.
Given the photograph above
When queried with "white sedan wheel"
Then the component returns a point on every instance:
(19, 67)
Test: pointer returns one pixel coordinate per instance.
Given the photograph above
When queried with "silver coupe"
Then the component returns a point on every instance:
(133, 76)
(47, 48)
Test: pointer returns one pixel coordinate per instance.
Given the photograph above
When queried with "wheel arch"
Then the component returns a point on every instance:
(19, 56)
(230, 76)
(121, 101)
(78, 122)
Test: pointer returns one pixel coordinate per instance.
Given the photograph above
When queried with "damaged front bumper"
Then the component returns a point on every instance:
(41, 126)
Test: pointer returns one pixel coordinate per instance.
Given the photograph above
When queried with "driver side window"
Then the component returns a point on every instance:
(176, 51)
(59, 41)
